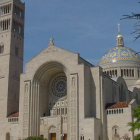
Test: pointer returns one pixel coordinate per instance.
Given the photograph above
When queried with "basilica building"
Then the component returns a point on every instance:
(61, 96)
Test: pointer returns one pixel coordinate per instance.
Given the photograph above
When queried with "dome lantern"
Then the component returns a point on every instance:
(119, 40)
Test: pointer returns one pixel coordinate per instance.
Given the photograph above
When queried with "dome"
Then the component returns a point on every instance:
(120, 53)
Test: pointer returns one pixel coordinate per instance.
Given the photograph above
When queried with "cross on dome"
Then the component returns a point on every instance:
(51, 41)
(119, 41)
(119, 28)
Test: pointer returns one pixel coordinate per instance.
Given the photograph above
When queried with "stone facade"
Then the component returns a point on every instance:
(62, 96)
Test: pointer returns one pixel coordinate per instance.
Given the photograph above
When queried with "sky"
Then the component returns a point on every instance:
(87, 27)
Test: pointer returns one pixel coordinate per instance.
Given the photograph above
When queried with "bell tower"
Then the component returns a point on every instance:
(12, 13)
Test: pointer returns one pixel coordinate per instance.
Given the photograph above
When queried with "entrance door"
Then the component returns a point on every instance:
(53, 136)
(65, 136)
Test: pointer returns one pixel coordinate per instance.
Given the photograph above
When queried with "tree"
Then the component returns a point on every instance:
(35, 138)
(136, 124)
(137, 137)
(136, 25)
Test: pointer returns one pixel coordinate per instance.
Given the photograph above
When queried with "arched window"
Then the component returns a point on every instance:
(8, 136)
(81, 137)
(115, 131)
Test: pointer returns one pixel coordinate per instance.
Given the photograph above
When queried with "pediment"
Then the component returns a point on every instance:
(54, 49)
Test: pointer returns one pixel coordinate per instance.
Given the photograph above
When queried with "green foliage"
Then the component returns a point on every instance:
(137, 137)
(136, 124)
(35, 138)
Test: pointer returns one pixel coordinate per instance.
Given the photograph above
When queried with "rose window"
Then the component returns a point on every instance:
(58, 86)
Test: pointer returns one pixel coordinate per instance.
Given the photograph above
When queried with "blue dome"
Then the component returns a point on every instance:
(120, 53)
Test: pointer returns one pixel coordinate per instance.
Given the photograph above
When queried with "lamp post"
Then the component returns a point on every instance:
(62, 135)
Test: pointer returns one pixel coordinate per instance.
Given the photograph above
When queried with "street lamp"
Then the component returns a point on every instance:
(62, 135)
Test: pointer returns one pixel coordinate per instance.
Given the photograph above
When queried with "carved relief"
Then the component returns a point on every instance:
(73, 82)
(51, 49)
(73, 102)
(26, 110)
(52, 129)
(26, 88)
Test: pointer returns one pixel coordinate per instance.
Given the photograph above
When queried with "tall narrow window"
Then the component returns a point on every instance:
(115, 131)
(1, 48)
(127, 72)
(20, 30)
(0, 11)
(124, 72)
(132, 73)
(121, 73)
(20, 14)
(16, 51)
(116, 73)
(138, 73)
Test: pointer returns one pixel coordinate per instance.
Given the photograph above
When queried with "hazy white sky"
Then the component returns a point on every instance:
(87, 27)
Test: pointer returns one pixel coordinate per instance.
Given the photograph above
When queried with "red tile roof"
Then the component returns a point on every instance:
(14, 115)
(117, 105)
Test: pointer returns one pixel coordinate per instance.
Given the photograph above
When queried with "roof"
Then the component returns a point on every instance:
(14, 115)
(117, 105)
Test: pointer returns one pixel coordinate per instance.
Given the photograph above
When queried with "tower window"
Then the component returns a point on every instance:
(16, 51)
(1, 49)
(20, 13)
(20, 30)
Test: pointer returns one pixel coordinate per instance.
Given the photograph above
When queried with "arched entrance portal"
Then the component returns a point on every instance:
(49, 101)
